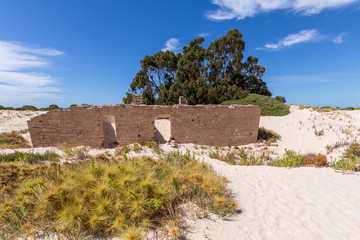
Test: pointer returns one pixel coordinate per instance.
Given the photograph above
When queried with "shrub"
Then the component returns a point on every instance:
(346, 164)
(28, 157)
(13, 140)
(318, 160)
(124, 198)
(352, 150)
(28, 108)
(281, 99)
(269, 106)
(237, 157)
(291, 159)
(267, 135)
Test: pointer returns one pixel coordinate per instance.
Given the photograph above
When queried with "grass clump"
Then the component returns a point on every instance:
(13, 174)
(269, 106)
(237, 156)
(267, 136)
(13, 140)
(28, 157)
(352, 151)
(291, 159)
(120, 198)
(76, 153)
(347, 164)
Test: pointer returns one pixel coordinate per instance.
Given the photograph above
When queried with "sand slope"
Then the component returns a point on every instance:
(279, 203)
(16, 120)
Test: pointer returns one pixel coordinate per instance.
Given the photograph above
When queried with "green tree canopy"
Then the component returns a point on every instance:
(202, 75)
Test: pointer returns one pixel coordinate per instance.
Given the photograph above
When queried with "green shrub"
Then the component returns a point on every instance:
(28, 157)
(269, 106)
(291, 159)
(352, 150)
(28, 108)
(237, 157)
(281, 99)
(346, 164)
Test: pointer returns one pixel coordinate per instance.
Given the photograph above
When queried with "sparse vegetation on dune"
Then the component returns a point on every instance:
(267, 136)
(13, 140)
(31, 108)
(28, 157)
(121, 197)
(326, 108)
(269, 106)
(290, 159)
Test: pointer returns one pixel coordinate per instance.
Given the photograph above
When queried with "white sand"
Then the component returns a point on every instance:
(297, 130)
(279, 203)
(16, 120)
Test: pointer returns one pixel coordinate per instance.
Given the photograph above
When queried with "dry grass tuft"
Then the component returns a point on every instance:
(123, 197)
(13, 140)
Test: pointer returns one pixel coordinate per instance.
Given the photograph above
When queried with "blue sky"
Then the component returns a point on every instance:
(87, 51)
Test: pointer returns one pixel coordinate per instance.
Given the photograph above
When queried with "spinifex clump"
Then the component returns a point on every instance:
(123, 197)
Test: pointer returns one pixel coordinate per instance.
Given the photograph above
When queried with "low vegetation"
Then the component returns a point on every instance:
(31, 108)
(347, 165)
(326, 108)
(237, 157)
(290, 159)
(28, 157)
(123, 197)
(269, 106)
(13, 140)
(267, 136)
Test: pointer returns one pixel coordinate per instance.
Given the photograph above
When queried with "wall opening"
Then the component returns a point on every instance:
(162, 132)
(109, 129)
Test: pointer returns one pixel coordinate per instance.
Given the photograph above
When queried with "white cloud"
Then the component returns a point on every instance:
(240, 9)
(291, 39)
(173, 44)
(204, 34)
(339, 39)
(21, 82)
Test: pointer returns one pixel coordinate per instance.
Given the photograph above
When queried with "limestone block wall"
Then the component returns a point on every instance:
(89, 125)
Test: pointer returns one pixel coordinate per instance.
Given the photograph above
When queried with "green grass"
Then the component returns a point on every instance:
(347, 164)
(13, 140)
(237, 157)
(124, 197)
(28, 157)
(269, 106)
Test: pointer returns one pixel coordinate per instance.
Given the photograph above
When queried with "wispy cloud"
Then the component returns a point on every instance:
(21, 78)
(240, 9)
(173, 44)
(204, 34)
(292, 39)
(339, 39)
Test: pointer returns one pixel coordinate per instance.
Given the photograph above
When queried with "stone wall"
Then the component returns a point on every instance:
(89, 125)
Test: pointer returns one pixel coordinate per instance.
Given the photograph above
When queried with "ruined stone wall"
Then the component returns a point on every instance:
(202, 124)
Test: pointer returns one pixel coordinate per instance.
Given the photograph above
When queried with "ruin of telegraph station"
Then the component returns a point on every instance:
(110, 125)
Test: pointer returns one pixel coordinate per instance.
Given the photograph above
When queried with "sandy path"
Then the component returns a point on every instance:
(279, 203)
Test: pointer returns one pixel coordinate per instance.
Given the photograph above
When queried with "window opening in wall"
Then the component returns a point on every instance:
(109, 128)
(162, 132)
